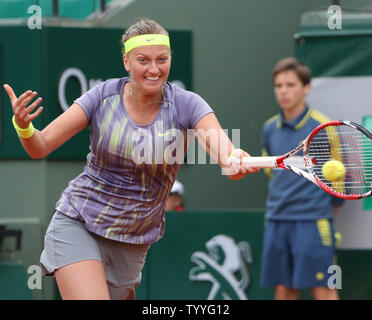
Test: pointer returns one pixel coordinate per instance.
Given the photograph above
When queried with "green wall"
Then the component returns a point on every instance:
(29, 191)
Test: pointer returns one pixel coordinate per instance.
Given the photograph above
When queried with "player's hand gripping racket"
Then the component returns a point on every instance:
(344, 141)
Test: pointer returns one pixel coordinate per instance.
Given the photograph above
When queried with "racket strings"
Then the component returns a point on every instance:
(349, 146)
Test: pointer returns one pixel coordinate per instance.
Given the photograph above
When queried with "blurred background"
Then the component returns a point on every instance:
(224, 51)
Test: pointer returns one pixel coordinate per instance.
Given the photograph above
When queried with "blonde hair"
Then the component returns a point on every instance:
(143, 26)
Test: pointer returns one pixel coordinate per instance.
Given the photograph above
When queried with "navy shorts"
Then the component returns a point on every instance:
(297, 254)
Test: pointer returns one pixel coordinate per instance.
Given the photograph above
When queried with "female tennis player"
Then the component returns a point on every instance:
(107, 217)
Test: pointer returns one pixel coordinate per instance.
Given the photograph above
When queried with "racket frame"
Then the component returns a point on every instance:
(278, 162)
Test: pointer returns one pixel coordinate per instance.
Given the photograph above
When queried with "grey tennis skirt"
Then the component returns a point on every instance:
(68, 241)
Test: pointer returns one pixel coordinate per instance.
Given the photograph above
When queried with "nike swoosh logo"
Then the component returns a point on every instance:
(148, 40)
(164, 134)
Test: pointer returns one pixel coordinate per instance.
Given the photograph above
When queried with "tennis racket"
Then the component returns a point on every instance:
(344, 141)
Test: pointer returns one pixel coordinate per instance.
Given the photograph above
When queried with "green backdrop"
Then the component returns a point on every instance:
(36, 60)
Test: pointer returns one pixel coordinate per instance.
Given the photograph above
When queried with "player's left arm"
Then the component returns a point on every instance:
(215, 141)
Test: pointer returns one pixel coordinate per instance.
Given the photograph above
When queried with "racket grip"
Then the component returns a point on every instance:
(260, 162)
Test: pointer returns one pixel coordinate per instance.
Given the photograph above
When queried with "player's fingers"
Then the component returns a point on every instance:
(16, 105)
(234, 163)
(252, 170)
(30, 108)
(239, 160)
(36, 113)
(248, 169)
(240, 154)
(22, 103)
(10, 93)
(22, 117)
(243, 170)
(19, 100)
(236, 156)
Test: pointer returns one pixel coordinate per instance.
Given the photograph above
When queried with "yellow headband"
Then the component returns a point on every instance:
(146, 40)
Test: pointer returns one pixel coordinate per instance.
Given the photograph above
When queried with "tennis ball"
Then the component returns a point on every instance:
(333, 170)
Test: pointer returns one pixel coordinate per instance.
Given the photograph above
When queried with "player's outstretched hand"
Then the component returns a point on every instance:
(22, 112)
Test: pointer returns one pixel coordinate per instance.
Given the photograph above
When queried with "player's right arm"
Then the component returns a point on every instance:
(42, 143)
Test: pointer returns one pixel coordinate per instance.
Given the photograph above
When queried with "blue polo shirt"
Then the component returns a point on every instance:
(290, 196)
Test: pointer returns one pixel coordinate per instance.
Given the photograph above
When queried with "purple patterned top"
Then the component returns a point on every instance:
(122, 191)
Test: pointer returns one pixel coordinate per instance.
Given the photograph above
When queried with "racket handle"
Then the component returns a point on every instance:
(260, 162)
